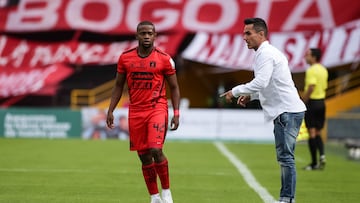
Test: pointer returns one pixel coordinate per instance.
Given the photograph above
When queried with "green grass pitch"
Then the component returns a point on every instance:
(83, 171)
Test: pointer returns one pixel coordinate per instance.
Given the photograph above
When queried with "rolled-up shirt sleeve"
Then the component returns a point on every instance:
(263, 69)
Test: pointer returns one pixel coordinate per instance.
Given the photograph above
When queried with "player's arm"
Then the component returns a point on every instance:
(115, 98)
(175, 99)
(306, 96)
(245, 92)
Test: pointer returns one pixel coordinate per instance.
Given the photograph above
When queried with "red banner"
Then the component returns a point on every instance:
(340, 45)
(17, 53)
(16, 82)
(122, 16)
(294, 25)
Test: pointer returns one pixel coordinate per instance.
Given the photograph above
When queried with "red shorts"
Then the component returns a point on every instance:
(147, 128)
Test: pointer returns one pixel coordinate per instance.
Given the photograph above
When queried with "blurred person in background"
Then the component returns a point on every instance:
(123, 128)
(97, 128)
(145, 69)
(316, 82)
(120, 130)
(279, 98)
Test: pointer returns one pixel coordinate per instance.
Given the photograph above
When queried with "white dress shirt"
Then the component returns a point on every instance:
(272, 84)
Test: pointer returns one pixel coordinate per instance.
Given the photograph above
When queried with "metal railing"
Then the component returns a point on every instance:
(88, 97)
(343, 83)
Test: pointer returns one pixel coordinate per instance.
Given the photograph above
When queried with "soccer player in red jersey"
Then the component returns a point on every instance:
(145, 70)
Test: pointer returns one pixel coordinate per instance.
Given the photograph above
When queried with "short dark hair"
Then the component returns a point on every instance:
(259, 24)
(316, 52)
(145, 22)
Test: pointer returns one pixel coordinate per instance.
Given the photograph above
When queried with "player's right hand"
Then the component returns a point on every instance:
(110, 120)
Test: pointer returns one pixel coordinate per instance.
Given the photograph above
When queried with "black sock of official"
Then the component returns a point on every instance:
(320, 144)
(312, 148)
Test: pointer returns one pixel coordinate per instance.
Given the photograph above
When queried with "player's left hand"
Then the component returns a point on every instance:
(174, 123)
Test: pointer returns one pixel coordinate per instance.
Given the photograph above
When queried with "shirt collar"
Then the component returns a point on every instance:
(262, 45)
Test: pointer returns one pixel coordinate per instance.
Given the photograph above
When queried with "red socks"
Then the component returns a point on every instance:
(162, 170)
(150, 173)
(150, 176)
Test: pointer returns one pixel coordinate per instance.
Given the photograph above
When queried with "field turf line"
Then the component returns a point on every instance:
(245, 173)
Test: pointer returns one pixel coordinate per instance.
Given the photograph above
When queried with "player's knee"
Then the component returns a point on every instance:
(155, 151)
(157, 154)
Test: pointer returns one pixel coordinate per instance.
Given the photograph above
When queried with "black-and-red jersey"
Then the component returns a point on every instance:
(146, 77)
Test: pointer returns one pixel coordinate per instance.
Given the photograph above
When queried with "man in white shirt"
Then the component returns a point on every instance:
(281, 103)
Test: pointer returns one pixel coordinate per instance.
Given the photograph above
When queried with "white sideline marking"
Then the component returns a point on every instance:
(246, 173)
